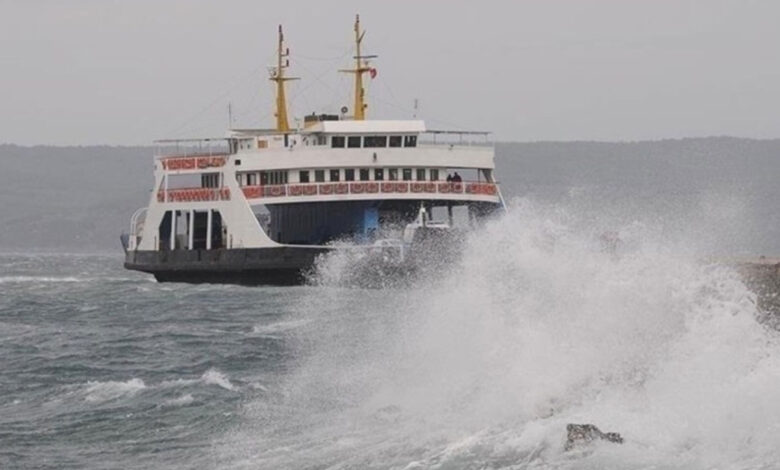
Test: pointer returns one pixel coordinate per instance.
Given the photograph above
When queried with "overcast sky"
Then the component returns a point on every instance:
(129, 72)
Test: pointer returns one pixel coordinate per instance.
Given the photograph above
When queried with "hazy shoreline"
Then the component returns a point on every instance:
(80, 198)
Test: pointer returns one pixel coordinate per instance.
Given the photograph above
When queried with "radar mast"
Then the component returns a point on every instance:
(361, 67)
(277, 75)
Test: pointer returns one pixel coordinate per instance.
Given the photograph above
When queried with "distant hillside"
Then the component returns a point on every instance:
(80, 198)
(70, 198)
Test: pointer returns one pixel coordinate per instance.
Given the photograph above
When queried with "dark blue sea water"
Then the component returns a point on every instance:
(483, 367)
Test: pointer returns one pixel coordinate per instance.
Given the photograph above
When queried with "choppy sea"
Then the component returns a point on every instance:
(481, 368)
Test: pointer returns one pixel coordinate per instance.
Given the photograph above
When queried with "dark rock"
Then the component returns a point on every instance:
(585, 433)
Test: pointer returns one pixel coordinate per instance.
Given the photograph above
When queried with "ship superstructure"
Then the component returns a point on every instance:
(259, 205)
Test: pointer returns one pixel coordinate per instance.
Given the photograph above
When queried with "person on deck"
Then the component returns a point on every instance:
(449, 178)
(456, 178)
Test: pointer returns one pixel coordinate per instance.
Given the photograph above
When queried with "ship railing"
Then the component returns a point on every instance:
(136, 227)
(168, 148)
(371, 187)
(193, 194)
(455, 138)
(193, 162)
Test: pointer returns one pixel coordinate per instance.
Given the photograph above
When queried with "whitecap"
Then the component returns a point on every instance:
(52, 279)
(215, 377)
(104, 391)
(183, 400)
(279, 327)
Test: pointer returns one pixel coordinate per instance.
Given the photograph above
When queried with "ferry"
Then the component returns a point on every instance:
(261, 206)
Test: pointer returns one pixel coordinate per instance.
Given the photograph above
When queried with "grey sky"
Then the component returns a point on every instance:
(128, 72)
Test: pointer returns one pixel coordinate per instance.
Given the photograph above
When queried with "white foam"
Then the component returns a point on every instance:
(104, 391)
(44, 279)
(215, 377)
(183, 400)
(536, 327)
(278, 327)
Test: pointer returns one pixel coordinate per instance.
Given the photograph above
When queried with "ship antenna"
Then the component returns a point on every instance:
(361, 67)
(277, 75)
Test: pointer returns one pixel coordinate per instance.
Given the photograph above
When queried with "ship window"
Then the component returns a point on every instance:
(319, 176)
(353, 141)
(434, 175)
(273, 177)
(334, 175)
(421, 174)
(211, 180)
(322, 140)
(407, 174)
(375, 141)
(237, 162)
(251, 179)
(364, 174)
(379, 174)
(303, 176)
(395, 140)
(349, 174)
(392, 174)
(337, 141)
(410, 141)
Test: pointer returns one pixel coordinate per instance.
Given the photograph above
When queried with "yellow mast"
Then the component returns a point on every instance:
(361, 67)
(282, 124)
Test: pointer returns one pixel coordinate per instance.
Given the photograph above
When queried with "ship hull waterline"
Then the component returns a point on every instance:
(286, 265)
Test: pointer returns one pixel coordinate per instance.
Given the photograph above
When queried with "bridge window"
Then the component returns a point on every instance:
(273, 177)
(421, 174)
(349, 174)
(395, 140)
(364, 174)
(334, 175)
(434, 174)
(337, 141)
(375, 141)
(353, 142)
(407, 174)
(392, 173)
(303, 176)
(410, 141)
(211, 180)
(379, 174)
(319, 176)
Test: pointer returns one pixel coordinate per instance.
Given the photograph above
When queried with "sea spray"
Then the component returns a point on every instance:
(535, 326)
